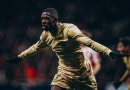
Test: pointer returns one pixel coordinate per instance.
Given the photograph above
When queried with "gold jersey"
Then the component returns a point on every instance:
(67, 46)
(66, 43)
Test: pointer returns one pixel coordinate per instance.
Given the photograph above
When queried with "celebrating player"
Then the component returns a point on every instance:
(74, 70)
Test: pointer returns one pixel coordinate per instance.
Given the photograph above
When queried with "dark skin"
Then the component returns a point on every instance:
(50, 24)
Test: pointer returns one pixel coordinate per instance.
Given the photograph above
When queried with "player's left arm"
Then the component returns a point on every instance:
(77, 35)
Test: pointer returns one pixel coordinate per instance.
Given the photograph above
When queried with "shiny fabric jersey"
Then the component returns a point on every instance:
(67, 46)
(66, 43)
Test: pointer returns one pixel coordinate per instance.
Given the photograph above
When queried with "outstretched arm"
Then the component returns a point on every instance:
(34, 49)
(76, 34)
(30, 51)
(92, 44)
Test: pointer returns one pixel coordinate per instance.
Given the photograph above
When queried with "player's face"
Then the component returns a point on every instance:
(121, 48)
(47, 21)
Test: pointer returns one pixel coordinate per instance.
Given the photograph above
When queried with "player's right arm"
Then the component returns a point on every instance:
(30, 51)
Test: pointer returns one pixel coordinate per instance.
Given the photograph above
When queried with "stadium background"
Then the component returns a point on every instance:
(20, 27)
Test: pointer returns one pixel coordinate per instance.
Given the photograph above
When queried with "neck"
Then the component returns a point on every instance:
(54, 29)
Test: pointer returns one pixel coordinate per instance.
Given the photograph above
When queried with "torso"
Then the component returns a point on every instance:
(68, 50)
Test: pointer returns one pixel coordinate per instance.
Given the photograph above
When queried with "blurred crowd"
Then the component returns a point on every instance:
(20, 27)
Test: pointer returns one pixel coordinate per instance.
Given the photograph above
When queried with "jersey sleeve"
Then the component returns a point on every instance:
(77, 35)
(34, 48)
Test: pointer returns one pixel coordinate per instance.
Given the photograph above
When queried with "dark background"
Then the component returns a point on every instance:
(20, 27)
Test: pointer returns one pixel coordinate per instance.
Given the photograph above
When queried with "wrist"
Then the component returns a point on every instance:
(110, 53)
(107, 51)
(19, 56)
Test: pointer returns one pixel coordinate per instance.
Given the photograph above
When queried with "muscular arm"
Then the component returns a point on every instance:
(76, 34)
(34, 48)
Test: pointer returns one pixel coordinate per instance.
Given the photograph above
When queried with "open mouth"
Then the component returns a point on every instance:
(44, 26)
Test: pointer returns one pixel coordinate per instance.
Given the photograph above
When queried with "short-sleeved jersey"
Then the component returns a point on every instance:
(67, 46)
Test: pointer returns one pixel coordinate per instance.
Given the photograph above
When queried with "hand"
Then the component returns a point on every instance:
(115, 55)
(14, 60)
